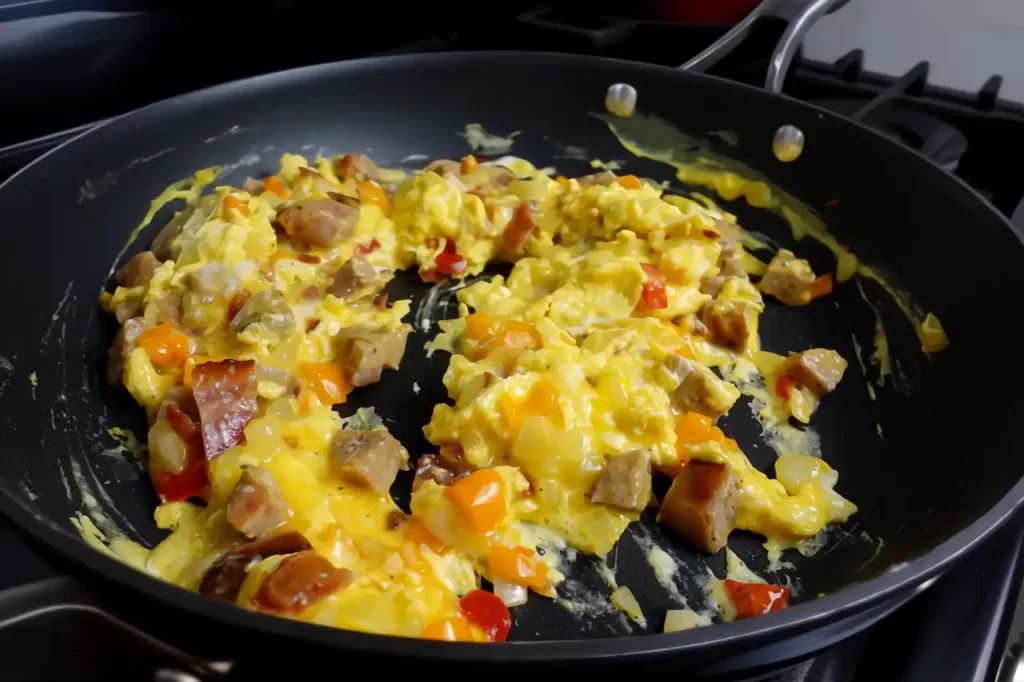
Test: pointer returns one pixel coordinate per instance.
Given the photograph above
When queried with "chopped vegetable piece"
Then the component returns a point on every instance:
(194, 481)
(481, 499)
(630, 182)
(231, 202)
(363, 249)
(164, 345)
(372, 194)
(822, 286)
(541, 401)
(272, 184)
(625, 601)
(487, 612)
(479, 327)
(653, 294)
(518, 565)
(784, 387)
(756, 599)
(417, 533)
(448, 262)
(449, 630)
(327, 380)
(237, 301)
(518, 229)
(468, 164)
(693, 428)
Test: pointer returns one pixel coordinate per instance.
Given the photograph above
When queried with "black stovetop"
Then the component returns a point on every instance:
(70, 68)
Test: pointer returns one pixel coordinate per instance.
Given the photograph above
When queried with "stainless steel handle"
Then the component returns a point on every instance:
(781, 59)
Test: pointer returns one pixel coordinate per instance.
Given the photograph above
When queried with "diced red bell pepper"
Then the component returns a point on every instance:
(364, 249)
(653, 294)
(756, 599)
(784, 387)
(448, 262)
(488, 613)
(194, 481)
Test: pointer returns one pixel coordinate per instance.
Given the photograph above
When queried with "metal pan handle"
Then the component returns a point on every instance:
(791, 39)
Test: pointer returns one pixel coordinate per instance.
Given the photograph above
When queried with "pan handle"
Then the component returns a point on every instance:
(791, 39)
(33, 616)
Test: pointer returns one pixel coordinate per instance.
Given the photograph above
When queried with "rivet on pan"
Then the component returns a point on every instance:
(621, 99)
(788, 144)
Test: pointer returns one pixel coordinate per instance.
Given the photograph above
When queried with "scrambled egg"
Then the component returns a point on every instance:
(627, 325)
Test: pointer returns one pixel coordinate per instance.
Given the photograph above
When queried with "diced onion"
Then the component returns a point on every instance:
(621, 99)
(215, 278)
(796, 471)
(624, 600)
(167, 452)
(510, 593)
(275, 374)
(685, 619)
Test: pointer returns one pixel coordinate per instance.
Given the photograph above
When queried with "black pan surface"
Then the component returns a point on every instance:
(944, 473)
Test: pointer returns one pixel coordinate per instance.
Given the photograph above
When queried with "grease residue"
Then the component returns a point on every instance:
(480, 140)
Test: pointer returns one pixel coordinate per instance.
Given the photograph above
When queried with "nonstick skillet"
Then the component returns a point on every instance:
(942, 477)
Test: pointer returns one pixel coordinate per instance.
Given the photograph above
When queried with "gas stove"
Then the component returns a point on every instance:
(111, 57)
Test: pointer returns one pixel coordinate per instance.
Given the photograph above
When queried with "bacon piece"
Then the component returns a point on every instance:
(225, 392)
(439, 470)
(518, 229)
(226, 575)
(299, 581)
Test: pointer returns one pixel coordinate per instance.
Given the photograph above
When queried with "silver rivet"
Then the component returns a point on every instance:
(621, 99)
(788, 144)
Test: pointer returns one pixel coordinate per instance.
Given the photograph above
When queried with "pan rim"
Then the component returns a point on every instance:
(800, 618)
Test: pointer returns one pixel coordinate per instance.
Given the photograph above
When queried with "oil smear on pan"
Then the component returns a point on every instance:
(486, 143)
(653, 138)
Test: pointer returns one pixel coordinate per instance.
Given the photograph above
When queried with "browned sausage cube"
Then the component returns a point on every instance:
(819, 369)
(256, 505)
(625, 482)
(365, 353)
(119, 349)
(138, 271)
(225, 577)
(318, 222)
(701, 504)
(699, 389)
(788, 279)
(354, 277)
(730, 321)
(370, 459)
(357, 166)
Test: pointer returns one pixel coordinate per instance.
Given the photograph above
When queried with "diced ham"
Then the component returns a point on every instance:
(788, 279)
(699, 389)
(730, 321)
(225, 393)
(299, 581)
(355, 276)
(370, 459)
(318, 222)
(519, 228)
(440, 470)
(730, 264)
(138, 270)
(123, 343)
(355, 166)
(365, 353)
(701, 504)
(625, 481)
(169, 310)
(226, 575)
(818, 369)
(256, 505)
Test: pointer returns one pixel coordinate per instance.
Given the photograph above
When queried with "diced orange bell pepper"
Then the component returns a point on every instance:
(305, 401)
(371, 193)
(519, 565)
(541, 401)
(449, 630)
(190, 364)
(518, 335)
(416, 532)
(165, 345)
(480, 497)
(630, 182)
(822, 286)
(327, 380)
(693, 428)
(468, 165)
(233, 202)
(479, 327)
(686, 351)
(272, 184)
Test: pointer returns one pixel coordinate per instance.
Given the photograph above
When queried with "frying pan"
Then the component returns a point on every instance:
(931, 461)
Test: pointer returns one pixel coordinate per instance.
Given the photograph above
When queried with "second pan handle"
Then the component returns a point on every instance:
(781, 59)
